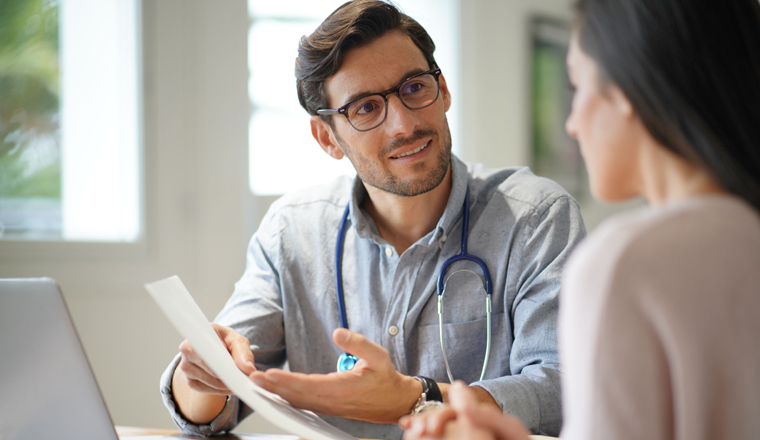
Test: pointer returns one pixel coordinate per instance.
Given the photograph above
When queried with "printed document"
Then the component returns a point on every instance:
(177, 304)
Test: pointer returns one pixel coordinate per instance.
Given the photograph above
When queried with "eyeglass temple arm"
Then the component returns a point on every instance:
(328, 111)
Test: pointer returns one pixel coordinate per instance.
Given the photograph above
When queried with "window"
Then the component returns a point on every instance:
(283, 155)
(69, 130)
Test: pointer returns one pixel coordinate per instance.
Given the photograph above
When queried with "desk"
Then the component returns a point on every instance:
(128, 431)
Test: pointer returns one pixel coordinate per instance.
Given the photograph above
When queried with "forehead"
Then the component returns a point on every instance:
(578, 62)
(374, 67)
(572, 52)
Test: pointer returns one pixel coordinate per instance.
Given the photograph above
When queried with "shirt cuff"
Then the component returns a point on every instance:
(225, 421)
(533, 397)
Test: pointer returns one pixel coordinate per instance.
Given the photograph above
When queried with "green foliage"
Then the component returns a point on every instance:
(548, 89)
(30, 90)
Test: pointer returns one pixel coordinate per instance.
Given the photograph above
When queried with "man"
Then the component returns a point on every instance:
(368, 78)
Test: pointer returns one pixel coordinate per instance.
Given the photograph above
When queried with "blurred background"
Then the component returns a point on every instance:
(143, 139)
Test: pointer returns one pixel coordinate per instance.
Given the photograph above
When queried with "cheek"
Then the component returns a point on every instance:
(602, 134)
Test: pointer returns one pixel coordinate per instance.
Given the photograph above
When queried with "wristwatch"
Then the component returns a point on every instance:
(431, 396)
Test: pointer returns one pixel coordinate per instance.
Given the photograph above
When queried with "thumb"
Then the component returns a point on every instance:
(239, 348)
(241, 353)
(503, 426)
(461, 396)
(359, 346)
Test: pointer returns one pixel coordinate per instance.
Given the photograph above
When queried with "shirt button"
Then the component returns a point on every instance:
(393, 330)
(389, 251)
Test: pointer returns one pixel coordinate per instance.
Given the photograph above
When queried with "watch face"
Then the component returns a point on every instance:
(428, 405)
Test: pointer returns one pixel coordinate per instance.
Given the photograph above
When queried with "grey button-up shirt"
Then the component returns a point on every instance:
(521, 225)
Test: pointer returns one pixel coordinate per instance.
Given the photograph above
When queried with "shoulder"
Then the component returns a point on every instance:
(518, 187)
(318, 200)
(303, 214)
(652, 246)
(679, 228)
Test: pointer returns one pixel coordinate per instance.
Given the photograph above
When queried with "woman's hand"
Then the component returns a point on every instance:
(463, 418)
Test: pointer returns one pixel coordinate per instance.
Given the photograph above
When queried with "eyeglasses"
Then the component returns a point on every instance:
(368, 112)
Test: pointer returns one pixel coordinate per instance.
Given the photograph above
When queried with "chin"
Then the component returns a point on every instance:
(611, 193)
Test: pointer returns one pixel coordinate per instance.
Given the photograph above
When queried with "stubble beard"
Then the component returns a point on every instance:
(381, 178)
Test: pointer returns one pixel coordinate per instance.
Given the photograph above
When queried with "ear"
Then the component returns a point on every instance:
(323, 134)
(445, 93)
(620, 101)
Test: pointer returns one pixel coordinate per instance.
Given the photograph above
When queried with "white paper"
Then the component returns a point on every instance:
(238, 436)
(177, 304)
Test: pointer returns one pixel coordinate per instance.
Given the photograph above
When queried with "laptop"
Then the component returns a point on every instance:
(47, 388)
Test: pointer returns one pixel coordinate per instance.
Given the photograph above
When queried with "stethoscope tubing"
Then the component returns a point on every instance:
(464, 256)
(339, 268)
(348, 359)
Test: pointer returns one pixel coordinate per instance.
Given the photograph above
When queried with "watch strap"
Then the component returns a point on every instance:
(430, 389)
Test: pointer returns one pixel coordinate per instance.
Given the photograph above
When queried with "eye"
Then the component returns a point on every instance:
(366, 108)
(412, 87)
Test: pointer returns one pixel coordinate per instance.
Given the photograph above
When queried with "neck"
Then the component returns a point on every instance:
(403, 220)
(668, 177)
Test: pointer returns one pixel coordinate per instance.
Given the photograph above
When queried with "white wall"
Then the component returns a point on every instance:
(199, 213)
(495, 71)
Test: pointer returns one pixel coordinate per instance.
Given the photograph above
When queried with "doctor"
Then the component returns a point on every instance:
(368, 77)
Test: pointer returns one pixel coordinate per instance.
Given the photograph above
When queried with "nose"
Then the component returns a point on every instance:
(400, 121)
(570, 126)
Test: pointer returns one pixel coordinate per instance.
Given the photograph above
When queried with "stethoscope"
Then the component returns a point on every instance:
(347, 361)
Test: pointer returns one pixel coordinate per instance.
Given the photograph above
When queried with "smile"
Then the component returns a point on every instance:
(415, 151)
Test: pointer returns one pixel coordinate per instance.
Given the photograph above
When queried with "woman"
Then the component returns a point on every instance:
(659, 325)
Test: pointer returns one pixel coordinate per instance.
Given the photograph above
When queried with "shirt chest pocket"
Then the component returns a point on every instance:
(465, 344)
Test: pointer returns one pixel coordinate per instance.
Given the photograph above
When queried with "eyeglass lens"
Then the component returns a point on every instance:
(416, 93)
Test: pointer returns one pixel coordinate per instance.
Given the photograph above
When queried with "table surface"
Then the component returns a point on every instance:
(129, 431)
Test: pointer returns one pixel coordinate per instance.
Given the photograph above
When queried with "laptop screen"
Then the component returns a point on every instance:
(47, 386)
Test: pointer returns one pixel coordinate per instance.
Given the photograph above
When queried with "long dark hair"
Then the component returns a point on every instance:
(352, 25)
(691, 69)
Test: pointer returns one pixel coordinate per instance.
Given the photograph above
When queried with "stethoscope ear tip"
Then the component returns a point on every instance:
(346, 362)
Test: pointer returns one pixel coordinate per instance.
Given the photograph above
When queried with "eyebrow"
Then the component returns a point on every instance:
(404, 77)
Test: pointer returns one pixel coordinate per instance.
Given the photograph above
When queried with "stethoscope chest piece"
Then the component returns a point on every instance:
(346, 362)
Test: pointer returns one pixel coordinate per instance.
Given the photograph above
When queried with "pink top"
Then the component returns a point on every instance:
(660, 325)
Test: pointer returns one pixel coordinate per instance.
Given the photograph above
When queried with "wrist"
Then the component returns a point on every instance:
(415, 389)
(429, 398)
(194, 406)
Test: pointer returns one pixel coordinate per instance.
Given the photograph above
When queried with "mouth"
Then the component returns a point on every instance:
(409, 153)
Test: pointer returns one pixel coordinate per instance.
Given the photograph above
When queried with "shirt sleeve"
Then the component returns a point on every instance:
(532, 391)
(255, 311)
(232, 413)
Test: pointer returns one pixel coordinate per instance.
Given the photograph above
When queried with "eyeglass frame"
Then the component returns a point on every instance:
(343, 110)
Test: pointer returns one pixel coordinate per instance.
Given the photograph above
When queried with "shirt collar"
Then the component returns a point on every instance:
(453, 211)
(366, 228)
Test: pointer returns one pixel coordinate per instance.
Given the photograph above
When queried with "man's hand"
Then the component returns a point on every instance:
(465, 418)
(199, 394)
(373, 391)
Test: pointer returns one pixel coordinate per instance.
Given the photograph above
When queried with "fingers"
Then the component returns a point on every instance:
(461, 396)
(238, 346)
(503, 426)
(359, 346)
(429, 423)
(200, 377)
(485, 417)
(464, 418)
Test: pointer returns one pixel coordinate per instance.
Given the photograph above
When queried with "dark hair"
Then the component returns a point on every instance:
(353, 25)
(691, 69)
